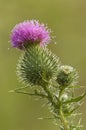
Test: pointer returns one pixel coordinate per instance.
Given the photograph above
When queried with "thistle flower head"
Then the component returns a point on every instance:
(67, 75)
(66, 69)
(29, 32)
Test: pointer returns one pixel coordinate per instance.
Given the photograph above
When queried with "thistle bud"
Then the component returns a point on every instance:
(37, 66)
(67, 75)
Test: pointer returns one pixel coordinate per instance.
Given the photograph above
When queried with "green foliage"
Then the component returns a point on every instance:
(40, 68)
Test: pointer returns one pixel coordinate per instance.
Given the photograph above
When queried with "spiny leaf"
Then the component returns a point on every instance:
(41, 118)
(16, 89)
(74, 109)
(28, 93)
(77, 99)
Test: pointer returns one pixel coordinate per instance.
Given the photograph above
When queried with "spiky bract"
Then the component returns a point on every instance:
(37, 66)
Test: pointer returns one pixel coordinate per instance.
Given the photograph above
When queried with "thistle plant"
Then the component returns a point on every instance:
(41, 70)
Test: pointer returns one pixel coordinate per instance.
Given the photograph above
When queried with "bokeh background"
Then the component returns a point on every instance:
(67, 19)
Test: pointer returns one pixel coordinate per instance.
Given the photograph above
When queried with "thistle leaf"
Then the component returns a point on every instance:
(77, 99)
(30, 94)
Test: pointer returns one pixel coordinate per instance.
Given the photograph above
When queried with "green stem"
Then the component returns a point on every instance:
(50, 97)
(64, 122)
(63, 119)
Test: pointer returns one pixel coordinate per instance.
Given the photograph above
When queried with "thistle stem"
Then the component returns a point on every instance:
(64, 122)
(62, 118)
(50, 98)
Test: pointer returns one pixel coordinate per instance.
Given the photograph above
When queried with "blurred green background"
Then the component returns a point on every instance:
(67, 19)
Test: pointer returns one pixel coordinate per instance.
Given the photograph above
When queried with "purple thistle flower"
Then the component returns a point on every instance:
(29, 32)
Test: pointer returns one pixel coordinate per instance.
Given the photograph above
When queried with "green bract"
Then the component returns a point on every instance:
(37, 66)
